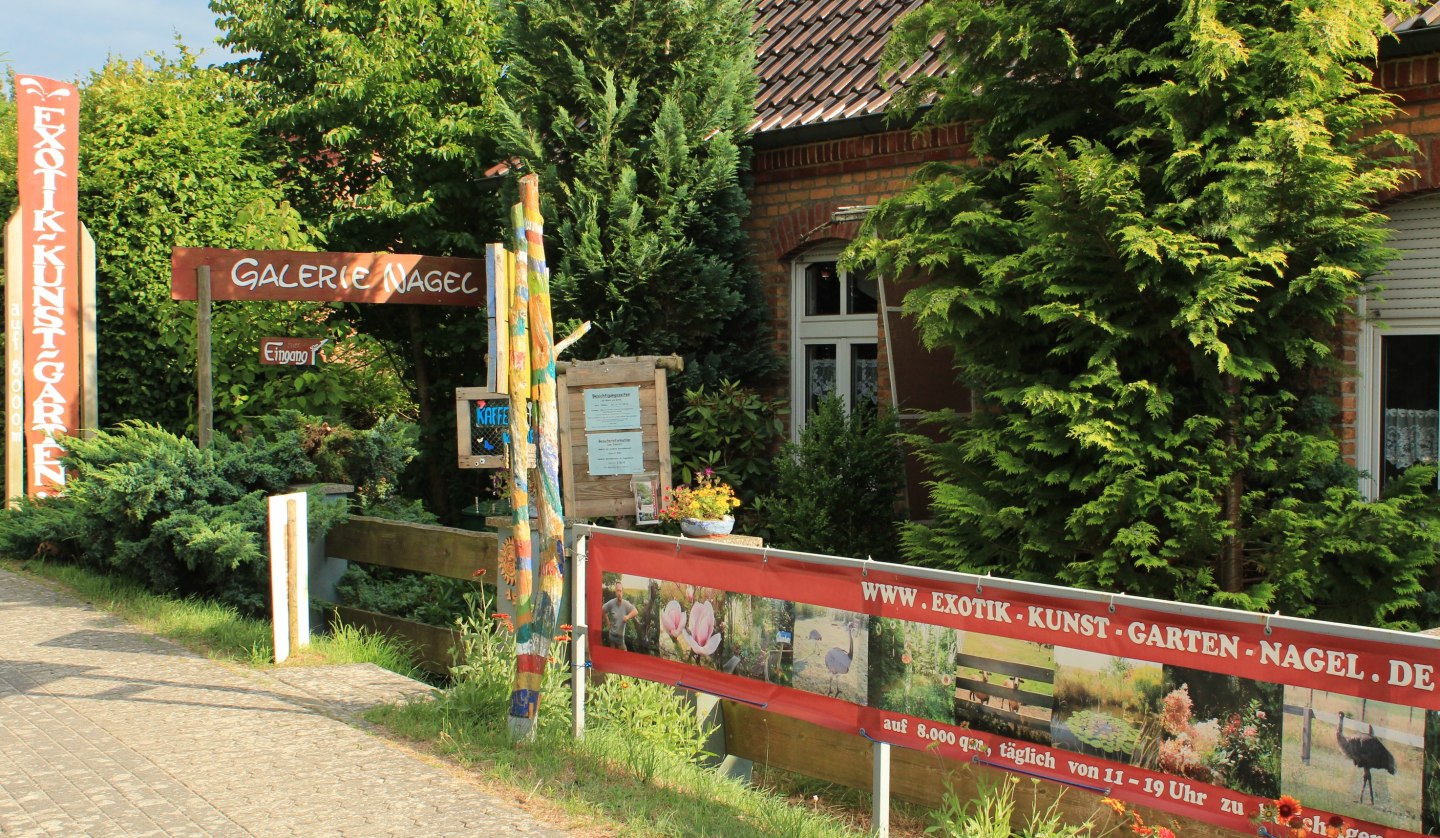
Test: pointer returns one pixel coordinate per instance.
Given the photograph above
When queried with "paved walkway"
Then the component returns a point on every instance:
(107, 731)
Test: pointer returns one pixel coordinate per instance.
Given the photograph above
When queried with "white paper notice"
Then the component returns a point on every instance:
(612, 409)
(621, 453)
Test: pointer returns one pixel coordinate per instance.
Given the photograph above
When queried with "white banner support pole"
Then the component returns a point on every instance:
(579, 634)
(880, 790)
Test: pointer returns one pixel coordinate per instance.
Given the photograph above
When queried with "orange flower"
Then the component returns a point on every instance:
(1117, 805)
(566, 627)
(1336, 827)
(1286, 808)
(477, 574)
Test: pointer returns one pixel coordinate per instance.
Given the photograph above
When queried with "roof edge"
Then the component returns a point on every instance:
(838, 129)
(1411, 42)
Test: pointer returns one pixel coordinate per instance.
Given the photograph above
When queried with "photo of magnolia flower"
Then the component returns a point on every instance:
(703, 633)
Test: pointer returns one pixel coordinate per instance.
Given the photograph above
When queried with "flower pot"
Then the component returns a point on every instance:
(696, 528)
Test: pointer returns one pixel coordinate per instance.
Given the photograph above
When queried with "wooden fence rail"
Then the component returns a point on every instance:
(424, 548)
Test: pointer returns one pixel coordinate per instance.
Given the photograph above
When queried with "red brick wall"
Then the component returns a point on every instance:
(798, 187)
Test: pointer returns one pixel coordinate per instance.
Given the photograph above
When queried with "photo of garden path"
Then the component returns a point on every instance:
(760, 638)
(1221, 729)
(912, 668)
(1350, 738)
(832, 652)
(1004, 686)
(692, 624)
(1107, 706)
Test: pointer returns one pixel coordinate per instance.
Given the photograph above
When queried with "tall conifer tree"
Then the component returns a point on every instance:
(634, 114)
(1142, 282)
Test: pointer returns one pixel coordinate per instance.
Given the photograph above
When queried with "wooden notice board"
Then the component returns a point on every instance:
(587, 390)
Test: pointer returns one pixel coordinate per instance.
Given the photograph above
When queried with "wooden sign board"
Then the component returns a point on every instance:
(614, 425)
(482, 428)
(329, 277)
(291, 352)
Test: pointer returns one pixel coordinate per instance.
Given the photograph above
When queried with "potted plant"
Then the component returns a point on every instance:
(702, 510)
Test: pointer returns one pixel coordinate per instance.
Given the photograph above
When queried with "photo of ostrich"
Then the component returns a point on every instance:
(1107, 706)
(760, 642)
(912, 668)
(1357, 758)
(831, 652)
(691, 624)
(1004, 686)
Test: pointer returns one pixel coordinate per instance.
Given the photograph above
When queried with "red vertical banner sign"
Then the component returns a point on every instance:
(49, 129)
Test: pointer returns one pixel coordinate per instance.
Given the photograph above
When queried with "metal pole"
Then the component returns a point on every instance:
(880, 790)
(579, 676)
(206, 411)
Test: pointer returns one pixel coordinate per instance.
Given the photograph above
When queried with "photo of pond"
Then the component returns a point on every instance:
(1107, 706)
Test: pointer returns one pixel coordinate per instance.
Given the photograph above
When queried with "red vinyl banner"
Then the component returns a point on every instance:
(50, 246)
(1203, 712)
(329, 277)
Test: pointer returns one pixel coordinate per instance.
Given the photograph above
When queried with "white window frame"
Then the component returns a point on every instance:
(843, 330)
(1368, 359)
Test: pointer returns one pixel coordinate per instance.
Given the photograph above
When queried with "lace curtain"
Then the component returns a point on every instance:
(1411, 436)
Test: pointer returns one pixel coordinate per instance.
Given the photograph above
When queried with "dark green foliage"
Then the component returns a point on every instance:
(1141, 284)
(423, 597)
(836, 491)
(380, 113)
(731, 430)
(371, 460)
(633, 114)
(146, 504)
(168, 158)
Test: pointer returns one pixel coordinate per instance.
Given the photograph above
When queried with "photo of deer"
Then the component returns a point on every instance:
(1357, 758)
(1004, 686)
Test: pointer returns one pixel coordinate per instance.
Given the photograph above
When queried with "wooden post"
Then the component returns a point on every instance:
(89, 351)
(292, 570)
(206, 420)
(289, 573)
(14, 364)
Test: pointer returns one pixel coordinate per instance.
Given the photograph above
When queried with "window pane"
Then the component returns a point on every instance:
(1410, 402)
(819, 374)
(864, 375)
(864, 294)
(822, 289)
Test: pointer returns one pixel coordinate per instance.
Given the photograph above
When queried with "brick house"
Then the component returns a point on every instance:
(823, 148)
(1390, 410)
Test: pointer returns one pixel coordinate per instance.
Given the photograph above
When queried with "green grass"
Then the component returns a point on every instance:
(215, 631)
(609, 776)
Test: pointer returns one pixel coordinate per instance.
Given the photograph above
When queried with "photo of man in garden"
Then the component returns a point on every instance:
(618, 611)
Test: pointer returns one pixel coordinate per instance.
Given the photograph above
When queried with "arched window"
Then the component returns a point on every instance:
(834, 324)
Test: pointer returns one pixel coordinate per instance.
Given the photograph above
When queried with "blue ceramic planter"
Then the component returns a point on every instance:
(695, 528)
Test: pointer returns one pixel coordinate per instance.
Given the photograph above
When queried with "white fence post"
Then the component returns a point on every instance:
(289, 572)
